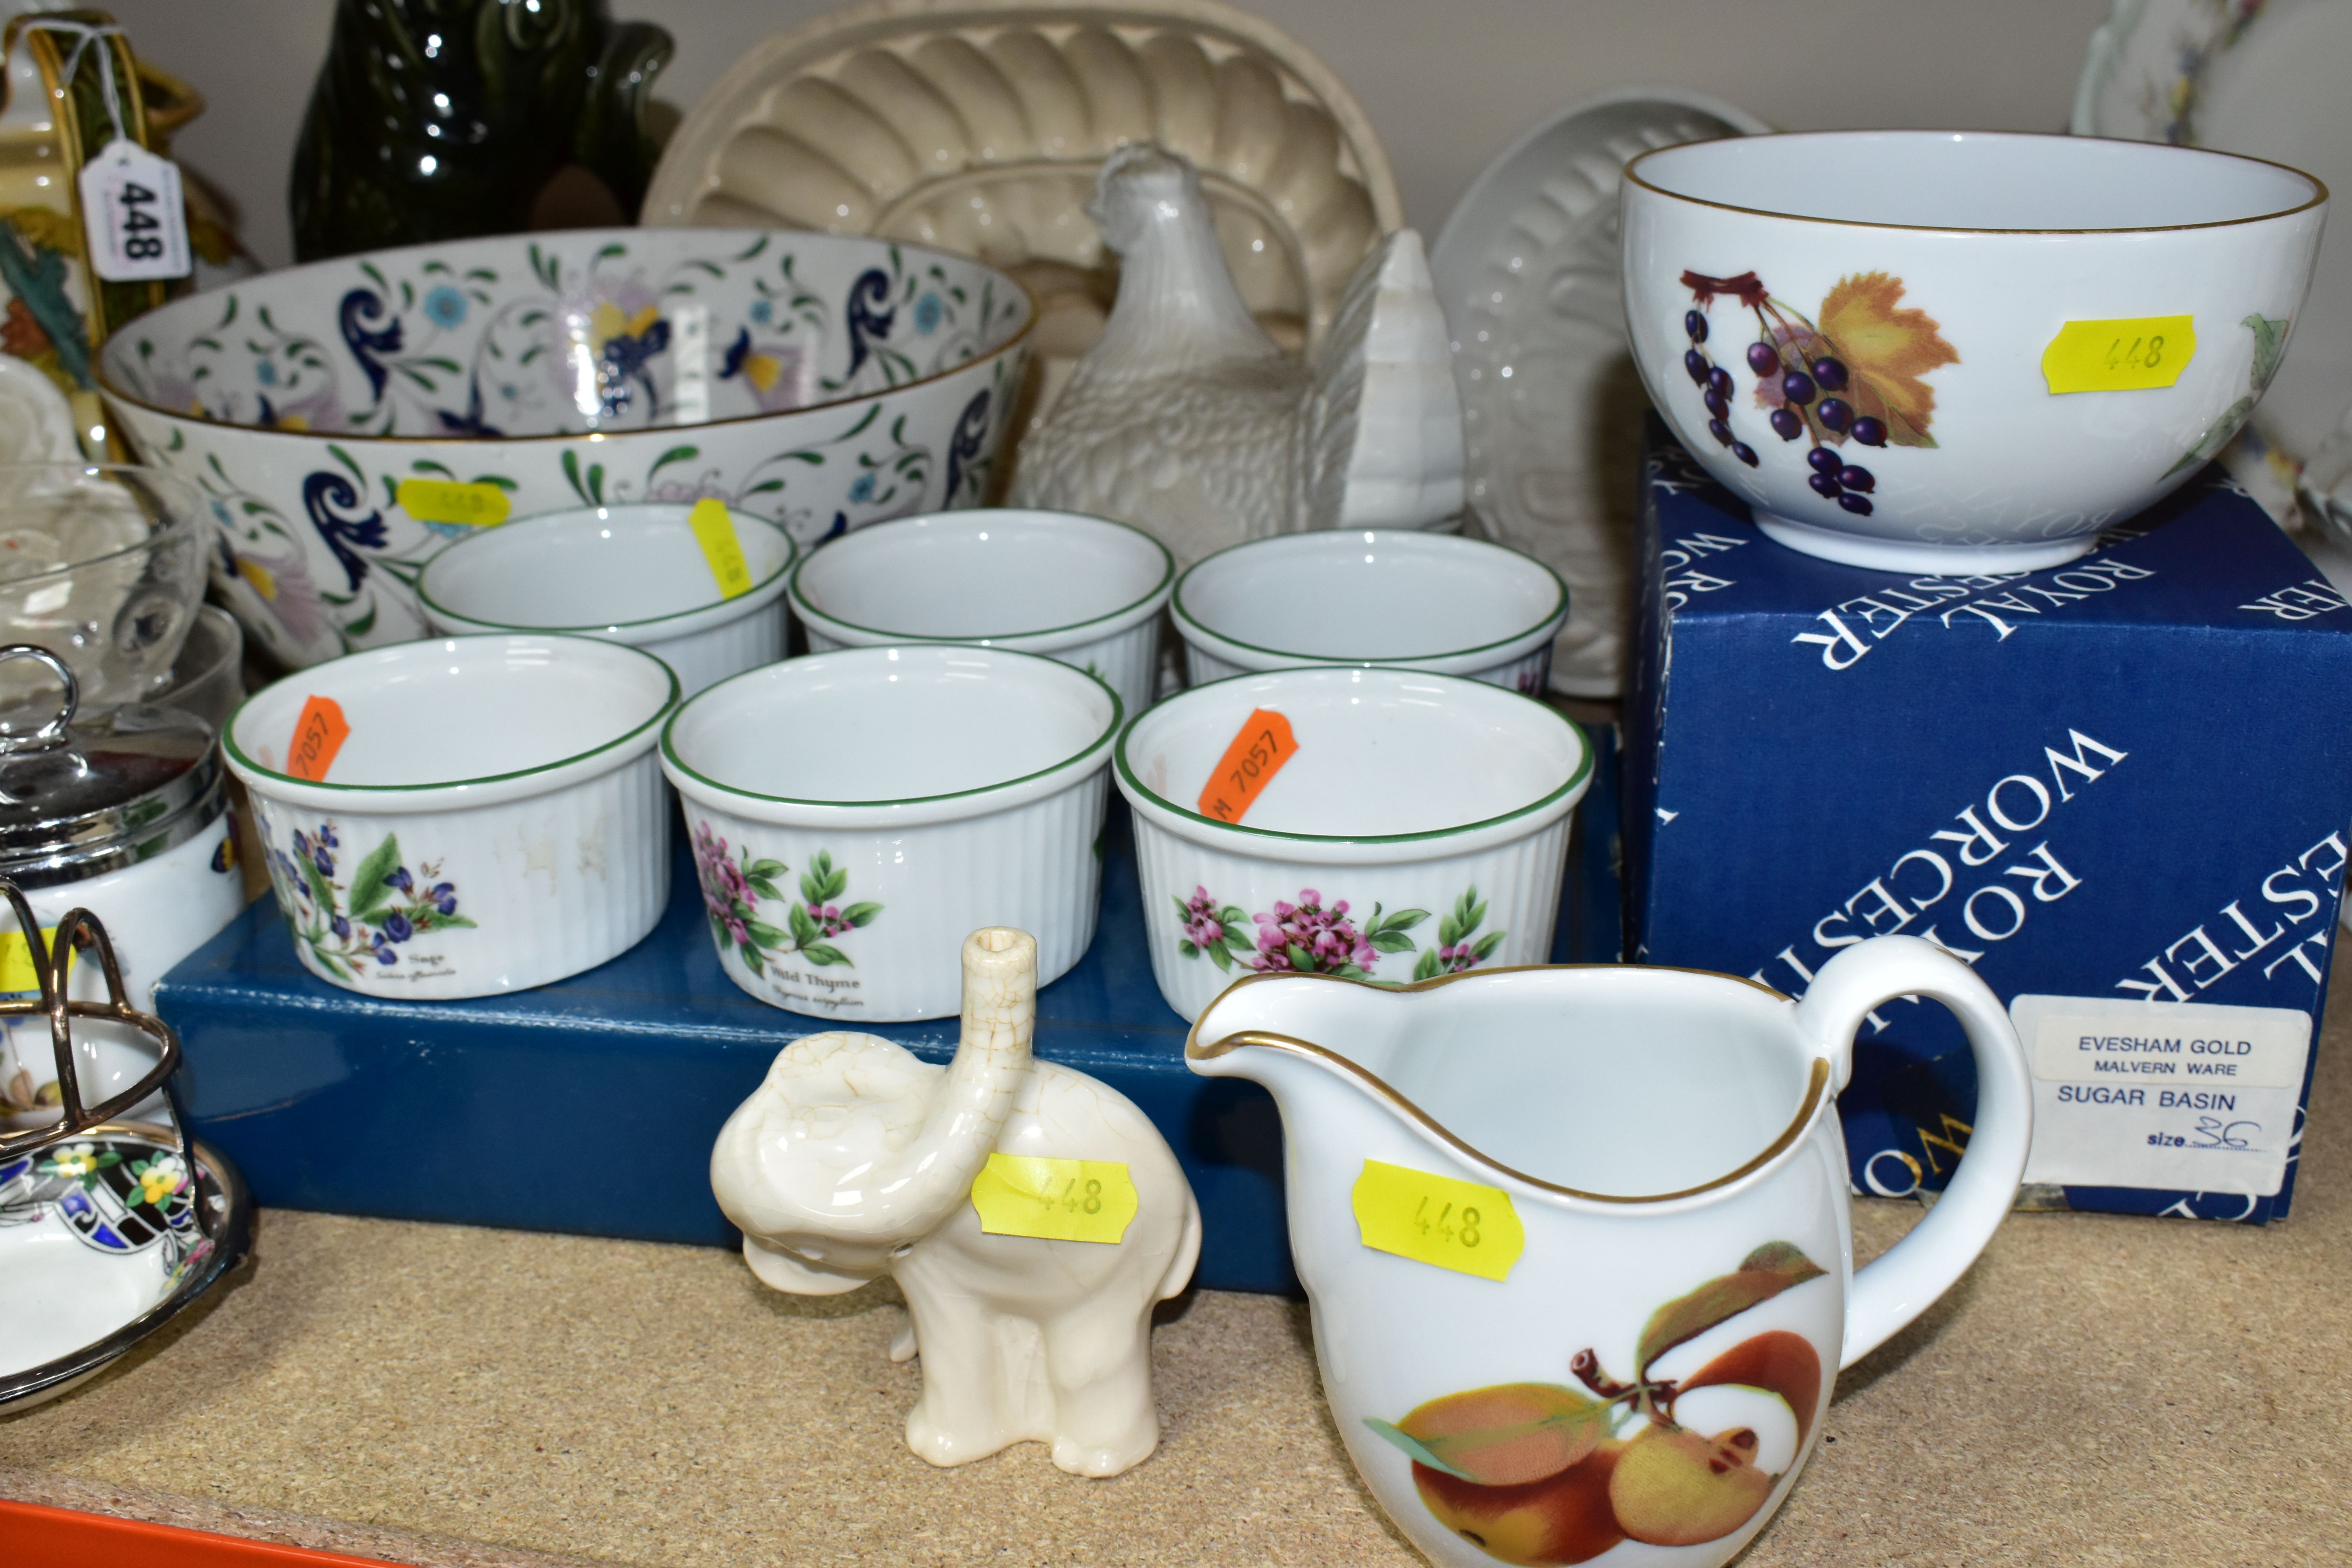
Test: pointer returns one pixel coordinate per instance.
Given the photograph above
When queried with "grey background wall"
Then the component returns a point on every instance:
(1447, 82)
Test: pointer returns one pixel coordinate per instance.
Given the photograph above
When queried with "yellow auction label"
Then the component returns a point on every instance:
(1436, 1219)
(1055, 1200)
(2128, 355)
(715, 532)
(17, 975)
(479, 505)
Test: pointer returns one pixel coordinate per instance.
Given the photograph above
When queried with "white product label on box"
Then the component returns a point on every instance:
(2190, 1096)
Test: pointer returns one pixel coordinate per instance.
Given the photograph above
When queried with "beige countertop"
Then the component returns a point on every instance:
(2097, 1391)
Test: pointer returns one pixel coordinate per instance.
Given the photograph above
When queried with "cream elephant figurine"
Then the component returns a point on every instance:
(854, 1158)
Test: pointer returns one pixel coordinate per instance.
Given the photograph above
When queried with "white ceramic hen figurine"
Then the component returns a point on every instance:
(1188, 420)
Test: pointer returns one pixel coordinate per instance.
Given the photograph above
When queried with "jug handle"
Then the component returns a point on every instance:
(1904, 1282)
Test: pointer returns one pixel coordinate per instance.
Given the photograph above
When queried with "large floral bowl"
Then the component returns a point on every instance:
(345, 420)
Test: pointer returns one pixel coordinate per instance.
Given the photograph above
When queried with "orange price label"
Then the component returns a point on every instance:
(319, 734)
(1249, 765)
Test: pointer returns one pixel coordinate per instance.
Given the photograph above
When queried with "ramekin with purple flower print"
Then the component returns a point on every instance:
(493, 818)
(1419, 829)
(855, 815)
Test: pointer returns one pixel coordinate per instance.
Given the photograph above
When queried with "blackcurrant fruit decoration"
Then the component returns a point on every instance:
(1858, 505)
(1695, 325)
(1720, 430)
(1762, 358)
(1830, 373)
(1796, 387)
(1823, 460)
(1834, 413)
(1696, 363)
(1870, 432)
(1824, 485)
(1744, 452)
(1719, 380)
(1855, 478)
(1717, 404)
(1787, 425)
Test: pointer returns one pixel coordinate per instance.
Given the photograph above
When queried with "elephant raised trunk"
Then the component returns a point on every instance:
(852, 1146)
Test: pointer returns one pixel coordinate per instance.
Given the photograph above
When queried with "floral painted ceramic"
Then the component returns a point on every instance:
(1576, 1240)
(1419, 828)
(346, 419)
(1958, 352)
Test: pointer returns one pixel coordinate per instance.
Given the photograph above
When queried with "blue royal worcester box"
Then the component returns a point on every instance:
(2117, 788)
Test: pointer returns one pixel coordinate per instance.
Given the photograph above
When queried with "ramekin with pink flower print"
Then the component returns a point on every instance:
(1417, 827)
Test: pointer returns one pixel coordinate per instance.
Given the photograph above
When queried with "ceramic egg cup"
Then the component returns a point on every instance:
(634, 575)
(1420, 829)
(857, 813)
(496, 819)
(1083, 590)
(1393, 597)
(1958, 352)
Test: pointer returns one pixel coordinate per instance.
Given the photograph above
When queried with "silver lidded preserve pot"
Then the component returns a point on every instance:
(125, 814)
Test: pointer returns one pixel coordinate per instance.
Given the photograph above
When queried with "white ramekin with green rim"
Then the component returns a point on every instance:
(857, 813)
(1084, 590)
(492, 820)
(1399, 598)
(635, 574)
(1419, 828)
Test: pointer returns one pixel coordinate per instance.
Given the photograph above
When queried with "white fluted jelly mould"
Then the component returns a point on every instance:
(634, 575)
(514, 772)
(1409, 793)
(1371, 596)
(1084, 590)
(857, 813)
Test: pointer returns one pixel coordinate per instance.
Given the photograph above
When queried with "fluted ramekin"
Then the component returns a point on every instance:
(857, 813)
(492, 821)
(1084, 590)
(1419, 828)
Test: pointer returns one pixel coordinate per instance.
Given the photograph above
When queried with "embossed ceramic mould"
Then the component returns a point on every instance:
(346, 419)
(1526, 269)
(2261, 79)
(1187, 419)
(1419, 828)
(493, 818)
(977, 128)
(1958, 352)
(855, 813)
(635, 574)
(1419, 600)
(110, 1224)
(1620, 1193)
(1031, 1216)
(1083, 590)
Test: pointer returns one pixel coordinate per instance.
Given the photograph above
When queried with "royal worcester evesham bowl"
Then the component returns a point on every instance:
(493, 818)
(857, 813)
(634, 575)
(1084, 590)
(345, 418)
(1958, 352)
(1418, 826)
(1386, 596)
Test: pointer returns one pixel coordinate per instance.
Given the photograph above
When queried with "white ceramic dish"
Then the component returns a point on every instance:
(634, 575)
(345, 418)
(1934, 271)
(1083, 590)
(1527, 270)
(1395, 597)
(1420, 829)
(855, 815)
(494, 821)
(2265, 79)
(103, 1240)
